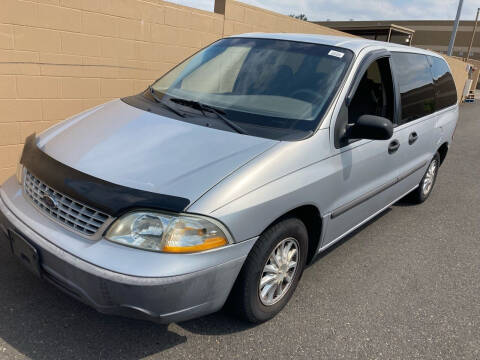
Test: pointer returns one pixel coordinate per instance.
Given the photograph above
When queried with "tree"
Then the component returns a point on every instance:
(299, 17)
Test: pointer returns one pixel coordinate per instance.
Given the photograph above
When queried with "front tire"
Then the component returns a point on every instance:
(271, 271)
(424, 189)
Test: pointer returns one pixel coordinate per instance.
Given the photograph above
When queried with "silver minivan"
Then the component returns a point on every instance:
(223, 179)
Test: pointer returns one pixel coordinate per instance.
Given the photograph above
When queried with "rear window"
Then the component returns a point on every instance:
(445, 90)
(416, 85)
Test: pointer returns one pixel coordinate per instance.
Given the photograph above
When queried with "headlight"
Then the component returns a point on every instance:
(19, 173)
(157, 231)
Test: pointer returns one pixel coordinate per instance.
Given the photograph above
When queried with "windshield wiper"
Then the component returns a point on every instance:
(168, 107)
(207, 108)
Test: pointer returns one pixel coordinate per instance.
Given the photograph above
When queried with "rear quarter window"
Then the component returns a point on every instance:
(445, 90)
(416, 85)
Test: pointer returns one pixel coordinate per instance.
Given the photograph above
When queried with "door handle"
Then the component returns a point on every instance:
(412, 138)
(393, 146)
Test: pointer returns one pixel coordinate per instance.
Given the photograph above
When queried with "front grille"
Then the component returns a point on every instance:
(61, 208)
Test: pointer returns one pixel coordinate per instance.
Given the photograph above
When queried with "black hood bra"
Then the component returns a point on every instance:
(108, 197)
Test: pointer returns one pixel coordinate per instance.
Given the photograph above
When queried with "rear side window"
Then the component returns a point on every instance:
(445, 90)
(416, 85)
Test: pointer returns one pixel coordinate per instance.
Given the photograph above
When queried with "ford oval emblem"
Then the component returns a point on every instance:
(49, 202)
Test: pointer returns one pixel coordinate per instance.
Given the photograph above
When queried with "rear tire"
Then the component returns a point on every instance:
(425, 188)
(269, 277)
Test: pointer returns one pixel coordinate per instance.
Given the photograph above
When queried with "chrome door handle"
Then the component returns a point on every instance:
(412, 138)
(393, 146)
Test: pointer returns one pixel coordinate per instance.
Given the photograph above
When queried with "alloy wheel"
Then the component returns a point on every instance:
(429, 177)
(279, 271)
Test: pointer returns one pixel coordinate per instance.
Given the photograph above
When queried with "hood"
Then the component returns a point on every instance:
(131, 147)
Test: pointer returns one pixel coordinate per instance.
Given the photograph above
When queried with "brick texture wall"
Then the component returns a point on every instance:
(59, 57)
(459, 72)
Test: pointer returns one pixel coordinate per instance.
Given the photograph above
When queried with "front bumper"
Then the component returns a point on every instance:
(165, 299)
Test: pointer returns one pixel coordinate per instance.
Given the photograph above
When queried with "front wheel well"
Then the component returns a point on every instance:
(310, 216)
(442, 151)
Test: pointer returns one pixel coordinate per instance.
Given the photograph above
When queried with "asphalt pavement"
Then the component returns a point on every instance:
(406, 286)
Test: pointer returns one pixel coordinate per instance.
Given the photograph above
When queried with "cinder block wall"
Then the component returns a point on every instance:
(459, 72)
(59, 57)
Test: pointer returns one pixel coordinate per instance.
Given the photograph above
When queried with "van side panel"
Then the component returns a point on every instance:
(425, 86)
(308, 172)
(289, 175)
(416, 156)
(445, 125)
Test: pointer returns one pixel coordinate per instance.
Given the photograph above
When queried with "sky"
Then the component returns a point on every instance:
(337, 10)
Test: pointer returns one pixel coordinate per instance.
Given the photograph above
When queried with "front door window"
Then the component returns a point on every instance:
(374, 95)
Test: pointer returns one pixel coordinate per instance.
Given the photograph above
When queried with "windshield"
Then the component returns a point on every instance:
(263, 85)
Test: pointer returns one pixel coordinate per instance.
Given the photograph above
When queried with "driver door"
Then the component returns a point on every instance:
(364, 181)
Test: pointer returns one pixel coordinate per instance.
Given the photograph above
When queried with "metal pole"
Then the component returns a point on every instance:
(455, 27)
(473, 35)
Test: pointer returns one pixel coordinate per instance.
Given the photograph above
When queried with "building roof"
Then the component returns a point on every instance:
(358, 25)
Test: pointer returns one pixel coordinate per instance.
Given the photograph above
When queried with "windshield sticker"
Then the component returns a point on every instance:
(337, 54)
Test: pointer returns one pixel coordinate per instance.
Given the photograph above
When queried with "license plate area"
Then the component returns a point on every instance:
(25, 253)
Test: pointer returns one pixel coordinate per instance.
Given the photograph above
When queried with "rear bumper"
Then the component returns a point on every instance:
(160, 299)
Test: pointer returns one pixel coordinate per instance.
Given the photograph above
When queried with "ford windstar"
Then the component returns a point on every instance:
(223, 179)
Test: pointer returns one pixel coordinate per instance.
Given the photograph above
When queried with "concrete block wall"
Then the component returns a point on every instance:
(59, 57)
(459, 72)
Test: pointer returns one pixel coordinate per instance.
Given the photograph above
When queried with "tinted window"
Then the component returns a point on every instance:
(416, 85)
(445, 90)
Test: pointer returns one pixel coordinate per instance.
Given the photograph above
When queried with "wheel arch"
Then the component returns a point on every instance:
(443, 150)
(310, 216)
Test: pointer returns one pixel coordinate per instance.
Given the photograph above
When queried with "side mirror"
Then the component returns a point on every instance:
(371, 127)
